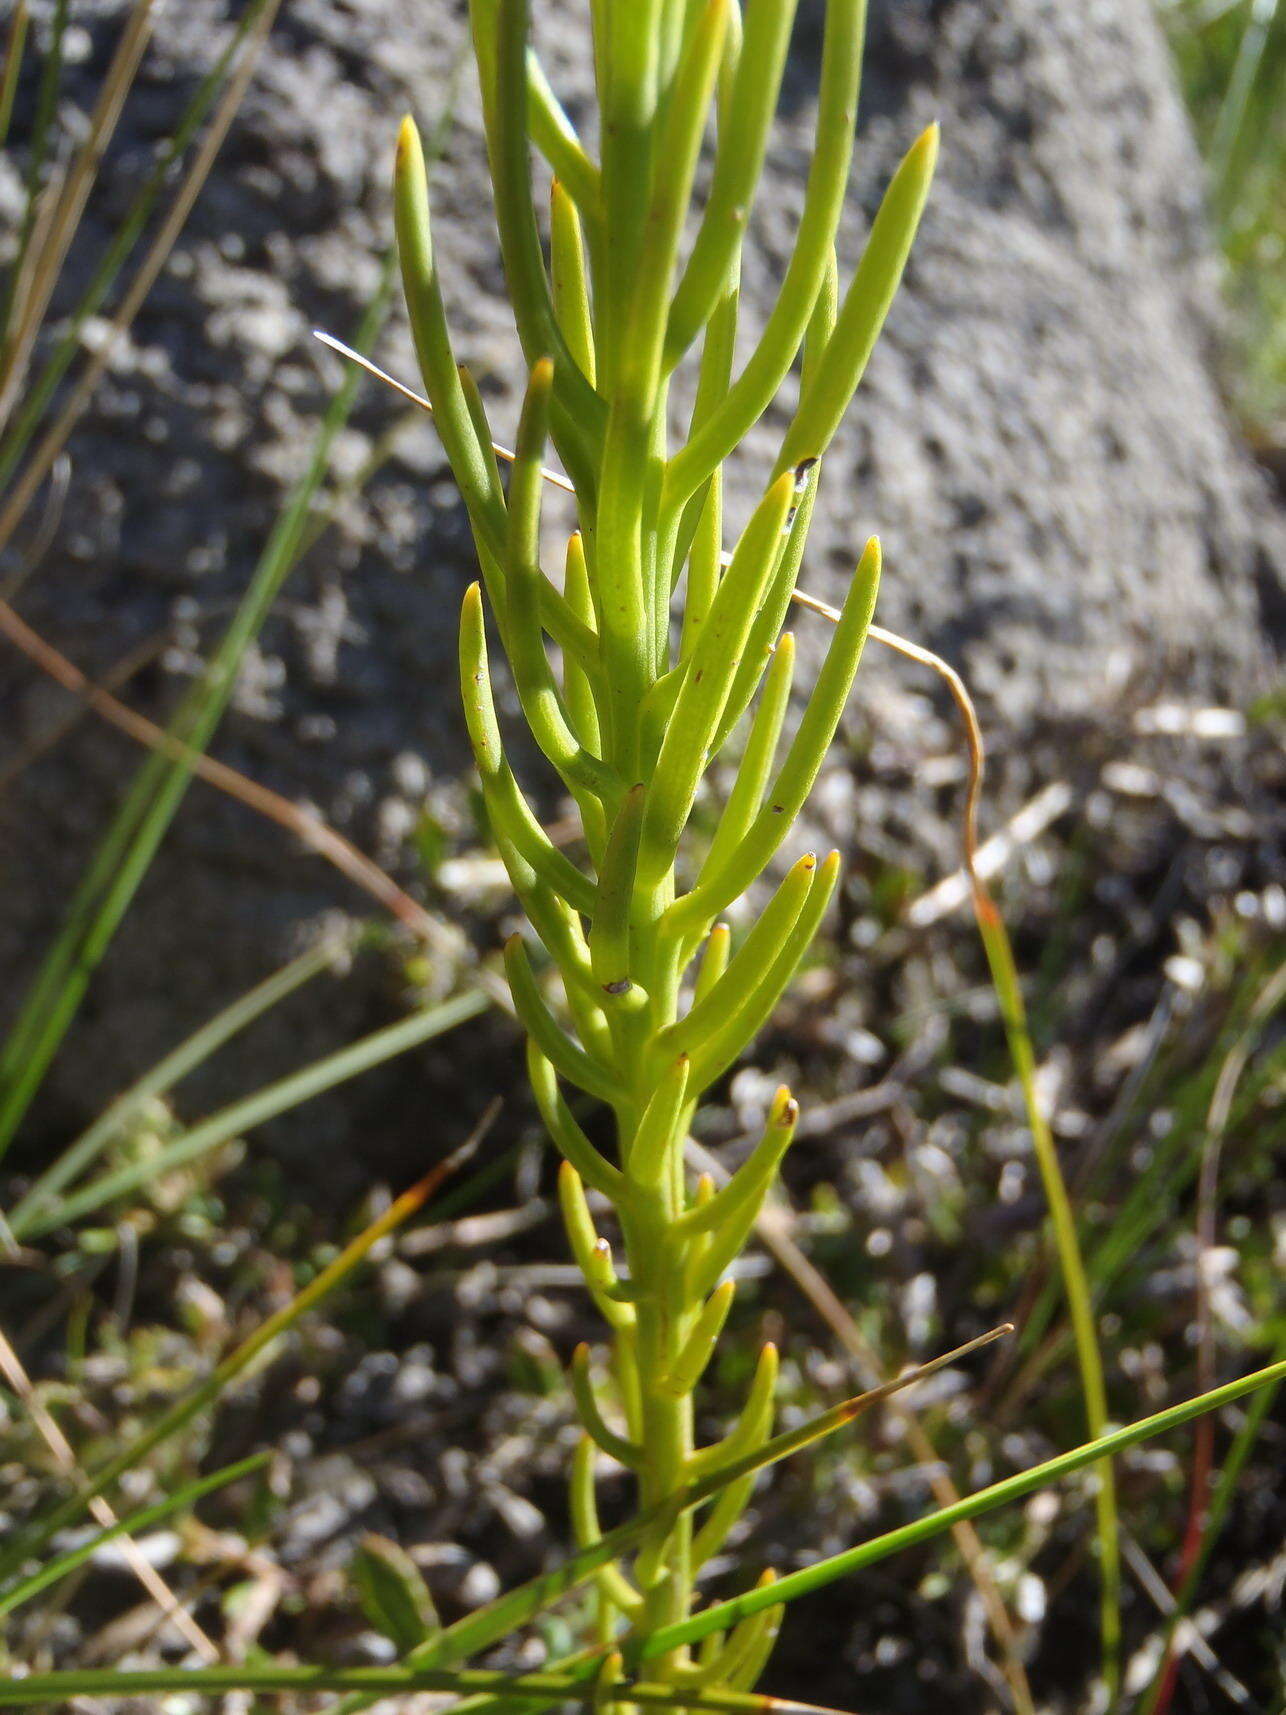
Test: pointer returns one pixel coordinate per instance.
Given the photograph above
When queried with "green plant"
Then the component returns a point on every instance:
(664, 646)
(667, 644)
(1231, 56)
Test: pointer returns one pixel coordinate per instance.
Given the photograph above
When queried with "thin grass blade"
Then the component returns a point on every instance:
(1220, 1501)
(14, 46)
(165, 1074)
(373, 1682)
(41, 131)
(133, 1524)
(278, 1098)
(810, 1578)
(1004, 974)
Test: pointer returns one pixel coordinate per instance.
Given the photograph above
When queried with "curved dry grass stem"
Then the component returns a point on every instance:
(15, 41)
(52, 734)
(968, 718)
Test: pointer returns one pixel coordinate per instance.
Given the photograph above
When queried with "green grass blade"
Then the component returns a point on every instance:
(133, 1524)
(810, 1578)
(12, 64)
(33, 1538)
(372, 1682)
(1004, 973)
(127, 850)
(165, 1074)
(278, 1098)
(1158, 1189)
(1172, 1164)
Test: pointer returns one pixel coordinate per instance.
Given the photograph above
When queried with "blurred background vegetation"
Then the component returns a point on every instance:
(1231, 56)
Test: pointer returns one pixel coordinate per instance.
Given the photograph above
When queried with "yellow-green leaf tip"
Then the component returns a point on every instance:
(408, 138)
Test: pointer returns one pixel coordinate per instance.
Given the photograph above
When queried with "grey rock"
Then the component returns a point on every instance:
(1066, 508)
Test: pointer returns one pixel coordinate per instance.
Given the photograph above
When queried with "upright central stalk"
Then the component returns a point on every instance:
(655, 1005)
(625, 621)
(663, 1567)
